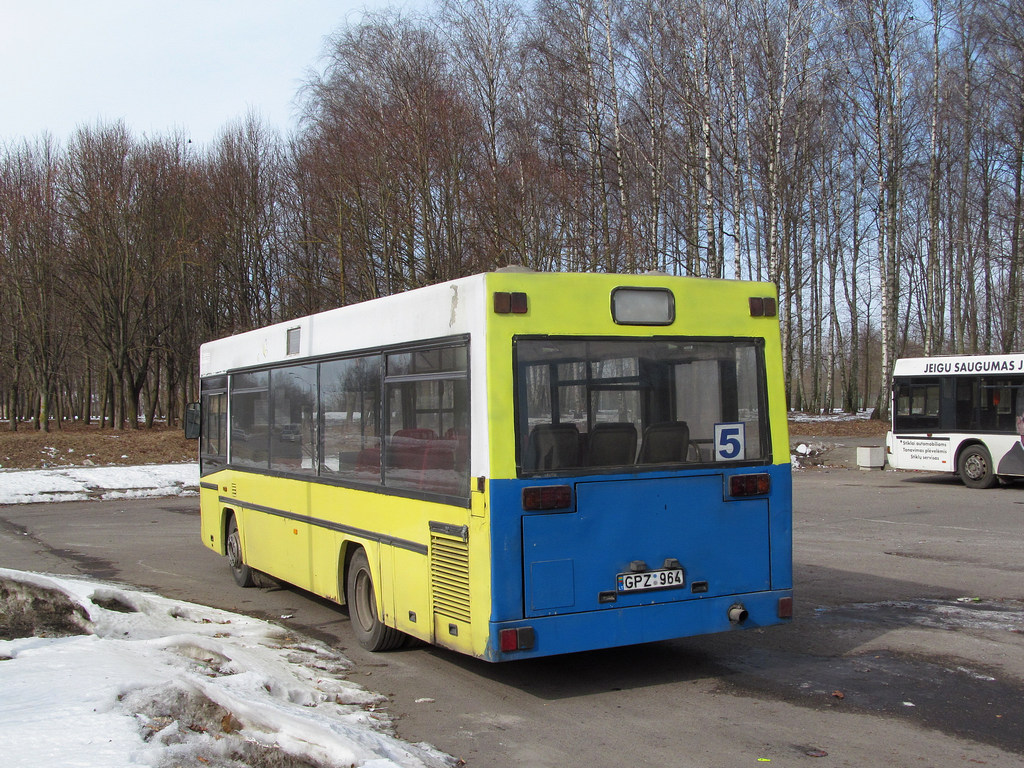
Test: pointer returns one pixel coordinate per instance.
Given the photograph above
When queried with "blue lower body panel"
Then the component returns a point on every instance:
(639, 624)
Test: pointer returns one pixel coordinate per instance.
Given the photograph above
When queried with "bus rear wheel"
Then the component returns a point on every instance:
(975, 467)
(369, 630)
(244, 576)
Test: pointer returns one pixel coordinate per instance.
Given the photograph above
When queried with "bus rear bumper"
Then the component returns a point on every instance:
(613, 627)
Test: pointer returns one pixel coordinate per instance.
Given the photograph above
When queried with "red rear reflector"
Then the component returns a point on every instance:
(538, 497)
(785, 607)
(509, 639)
(750, 485)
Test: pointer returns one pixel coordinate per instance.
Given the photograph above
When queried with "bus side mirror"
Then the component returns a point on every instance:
(193, 421)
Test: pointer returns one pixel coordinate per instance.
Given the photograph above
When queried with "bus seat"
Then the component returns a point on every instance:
(461, 438)
(368, 460)
(406, 448)
(416, 433)
(612, 444)
(667, 442)
(438, 471)
(553, 446)
(438, 454)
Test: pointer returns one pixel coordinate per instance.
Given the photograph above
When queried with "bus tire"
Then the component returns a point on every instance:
(244, 576)
(975, 467)
(369, 630)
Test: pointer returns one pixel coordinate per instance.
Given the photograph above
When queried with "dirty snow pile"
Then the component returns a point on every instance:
(809, 454)
(93, 675)
(82, 483)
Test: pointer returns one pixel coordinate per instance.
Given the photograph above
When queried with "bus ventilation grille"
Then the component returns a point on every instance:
(449, 577)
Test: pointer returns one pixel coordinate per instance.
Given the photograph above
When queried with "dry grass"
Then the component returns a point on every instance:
(79, 445)
(840, 428)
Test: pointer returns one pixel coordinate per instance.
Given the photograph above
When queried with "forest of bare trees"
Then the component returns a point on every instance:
(865, 155)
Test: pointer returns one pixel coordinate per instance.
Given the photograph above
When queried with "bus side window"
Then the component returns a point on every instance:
(250, 419)
(213, 441)
(350, 414)
(989, 408)
(427, 411)
(917, 405)
(964, 403)
(293, 409)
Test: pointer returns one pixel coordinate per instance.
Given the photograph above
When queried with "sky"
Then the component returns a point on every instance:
(155, 681)
(192, 65)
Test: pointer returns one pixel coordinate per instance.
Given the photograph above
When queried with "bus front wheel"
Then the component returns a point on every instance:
(975, 467)
(369, 630)
(244, 576)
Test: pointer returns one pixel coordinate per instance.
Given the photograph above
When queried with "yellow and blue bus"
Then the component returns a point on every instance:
(513, 464)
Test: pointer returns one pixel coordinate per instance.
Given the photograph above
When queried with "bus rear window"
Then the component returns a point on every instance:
(638, 403)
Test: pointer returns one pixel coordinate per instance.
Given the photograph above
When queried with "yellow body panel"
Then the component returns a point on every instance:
(562, 304)
(311, 555)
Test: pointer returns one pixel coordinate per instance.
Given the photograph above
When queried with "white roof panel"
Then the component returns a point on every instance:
(959, 365)
(446, 309)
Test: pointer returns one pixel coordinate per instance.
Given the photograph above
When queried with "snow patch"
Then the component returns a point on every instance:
(84, 483)
(136, 678)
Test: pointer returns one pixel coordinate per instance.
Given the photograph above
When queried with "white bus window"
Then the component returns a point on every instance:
(350, 407)
(213, 443)
(293, 433)
(250, 419)
(427, 443)
(917, 405)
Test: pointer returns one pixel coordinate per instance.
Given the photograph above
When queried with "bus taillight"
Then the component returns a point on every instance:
(516, 639)
(540, 497)
(750, 485)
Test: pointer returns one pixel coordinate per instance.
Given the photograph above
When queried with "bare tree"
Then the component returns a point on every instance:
(485, 36)
(99, 183)
(882, 32)
(33, 252)
(1005, 33)
(244, 170)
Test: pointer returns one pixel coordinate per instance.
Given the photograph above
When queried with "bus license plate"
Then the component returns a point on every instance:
(663, 579)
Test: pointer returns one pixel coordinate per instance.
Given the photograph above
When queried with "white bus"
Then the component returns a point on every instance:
(962, 414)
